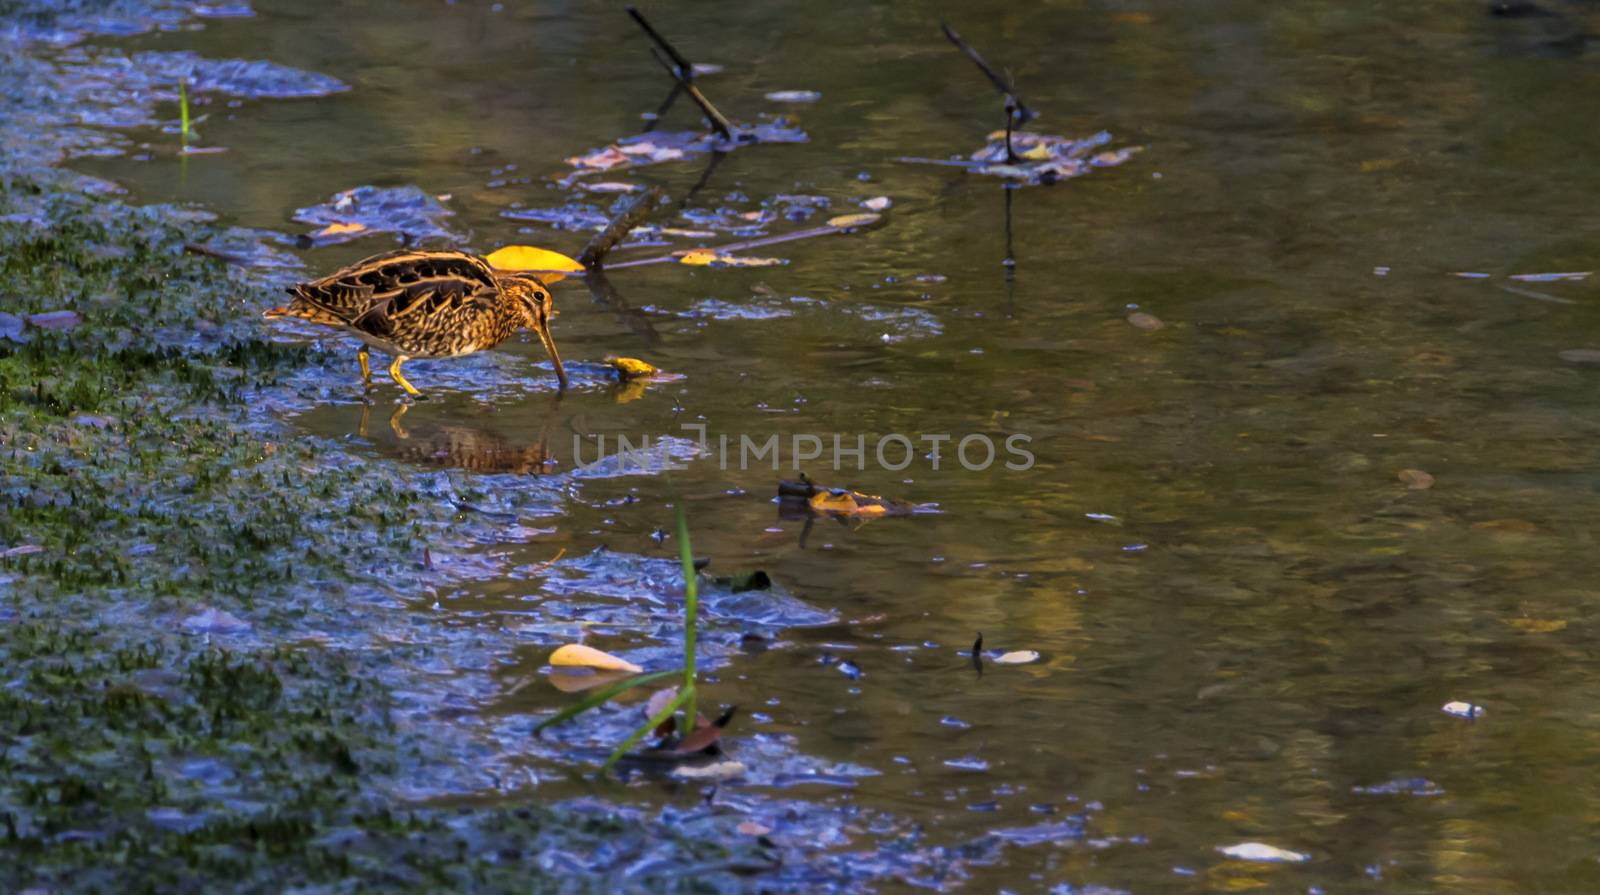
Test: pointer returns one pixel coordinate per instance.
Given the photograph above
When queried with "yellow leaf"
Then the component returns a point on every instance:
(550, 266)
(630, 367)
(576, 655)
(338, 228)
(713, 258)
(844, 502)
(1537, 625)
(1037, 153)
(847, 221)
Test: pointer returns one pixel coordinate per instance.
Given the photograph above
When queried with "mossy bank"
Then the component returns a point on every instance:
(197, 688)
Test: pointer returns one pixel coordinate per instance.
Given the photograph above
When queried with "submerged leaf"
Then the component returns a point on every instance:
(1147, 322)
(580, 656)
(1415, 479)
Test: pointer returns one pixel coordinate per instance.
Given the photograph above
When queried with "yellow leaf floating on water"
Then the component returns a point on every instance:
(1537, 625)
(713, 258)
(1037, 153)
(844, 502)
(339, 228)
(848, 221)
(547, 264)
(576, 655)
(631, 367)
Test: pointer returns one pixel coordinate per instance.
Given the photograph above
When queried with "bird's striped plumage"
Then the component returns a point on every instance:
(426, 304)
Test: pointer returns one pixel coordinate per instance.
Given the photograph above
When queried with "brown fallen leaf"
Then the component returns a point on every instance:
(1147, 322)
(705, 734)
(580, 656)
(752, 828)
(1415, 479)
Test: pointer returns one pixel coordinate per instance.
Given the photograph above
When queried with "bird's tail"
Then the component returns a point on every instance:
(305, 311)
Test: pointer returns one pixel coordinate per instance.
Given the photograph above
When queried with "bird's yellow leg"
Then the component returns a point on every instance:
(394, 373)
(366, 368)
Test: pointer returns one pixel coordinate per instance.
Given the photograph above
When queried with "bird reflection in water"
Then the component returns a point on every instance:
(459, 445)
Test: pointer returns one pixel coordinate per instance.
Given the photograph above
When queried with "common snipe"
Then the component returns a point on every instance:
(426, 304)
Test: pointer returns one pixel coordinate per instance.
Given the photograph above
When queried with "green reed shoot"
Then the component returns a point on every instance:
(183, 110)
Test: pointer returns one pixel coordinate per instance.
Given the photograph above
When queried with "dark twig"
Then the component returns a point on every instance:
(682, 71)
(617, 229)
(718, 122)
(1015, 108)
(685, 68)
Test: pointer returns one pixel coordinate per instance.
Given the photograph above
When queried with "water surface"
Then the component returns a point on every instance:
(1247, 621)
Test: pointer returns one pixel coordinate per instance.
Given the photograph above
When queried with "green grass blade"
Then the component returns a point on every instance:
(691, 613)
(646, 727)
(183, 108)
(601, 698)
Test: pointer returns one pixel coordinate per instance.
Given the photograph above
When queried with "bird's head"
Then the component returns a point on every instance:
(531, 297)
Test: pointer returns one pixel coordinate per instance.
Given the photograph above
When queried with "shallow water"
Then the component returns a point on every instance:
(1247, 621)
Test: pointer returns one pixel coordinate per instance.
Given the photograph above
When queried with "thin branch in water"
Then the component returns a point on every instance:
(682, 71)
(685, 67)
(1015, 107)
(621, 224)
(718, 122)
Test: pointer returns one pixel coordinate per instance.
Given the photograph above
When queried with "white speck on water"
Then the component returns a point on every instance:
(1260, 851)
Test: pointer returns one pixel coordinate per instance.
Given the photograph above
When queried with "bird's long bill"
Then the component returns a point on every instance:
(555, 356)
